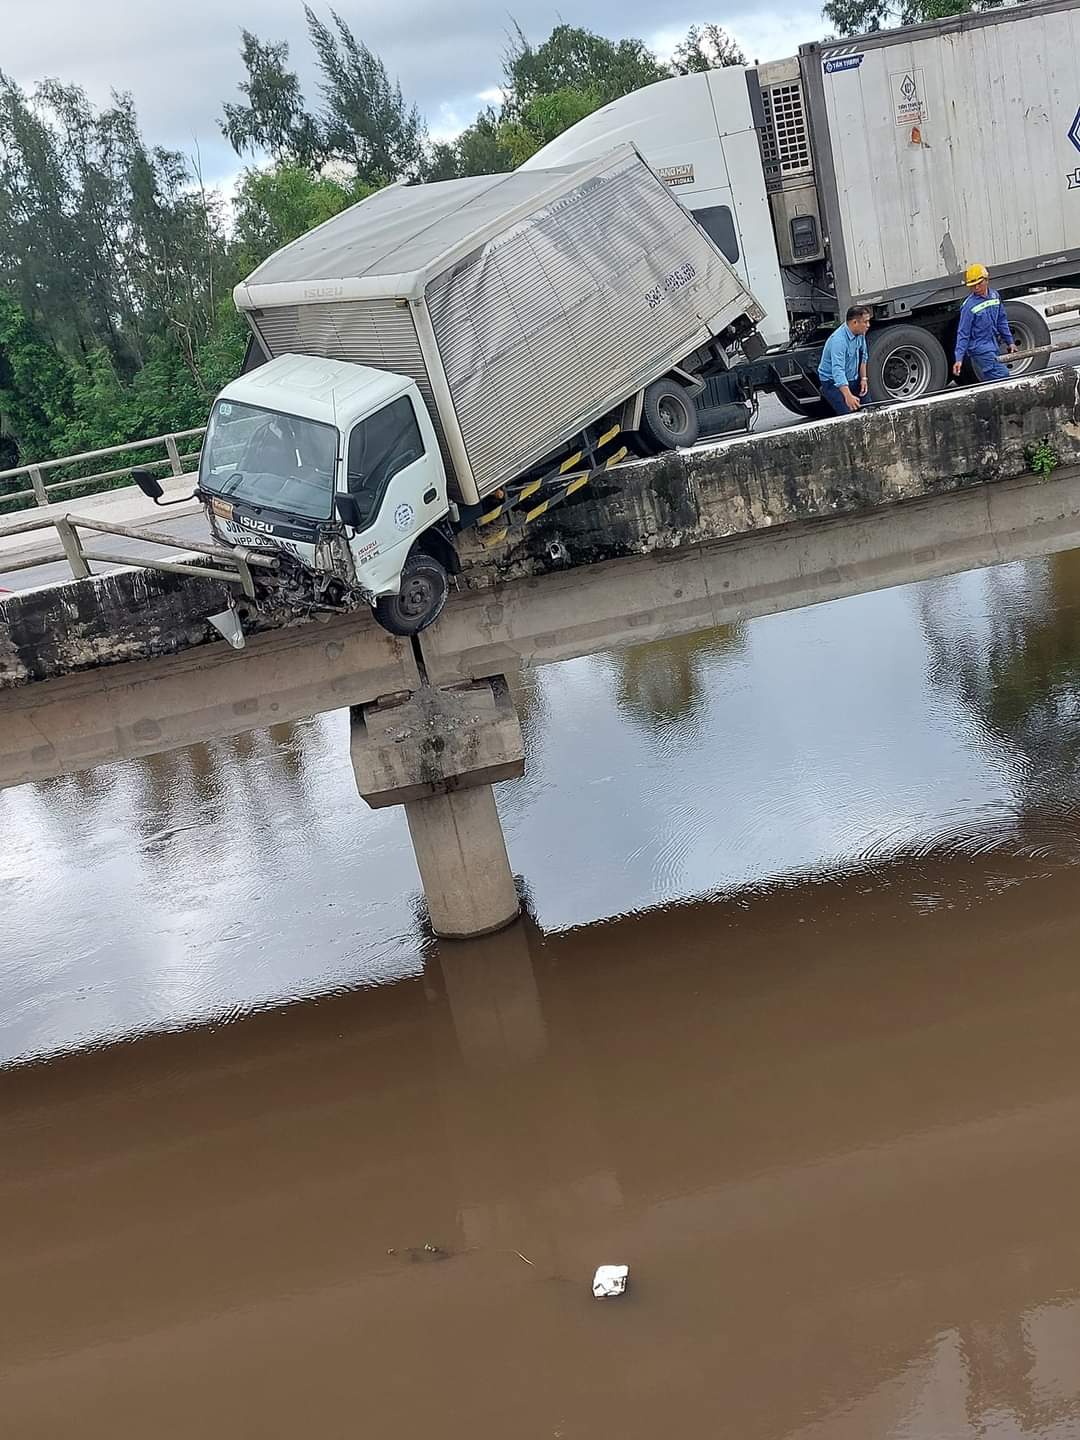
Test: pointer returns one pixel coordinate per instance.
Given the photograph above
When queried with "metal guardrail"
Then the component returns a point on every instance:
(80, 559)
(173, 462)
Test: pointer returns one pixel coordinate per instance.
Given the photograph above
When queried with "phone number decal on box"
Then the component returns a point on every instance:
(675, 281)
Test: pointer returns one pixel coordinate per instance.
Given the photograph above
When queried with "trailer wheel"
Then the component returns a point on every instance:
(1030, 330)
(669, 417)
(424, 588)
(906, 362)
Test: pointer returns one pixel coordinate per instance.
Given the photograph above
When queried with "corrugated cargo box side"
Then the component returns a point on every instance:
(555, 321)
(949, 142)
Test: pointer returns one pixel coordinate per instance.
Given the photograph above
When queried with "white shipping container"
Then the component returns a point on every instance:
(525, 306)
(942, 144)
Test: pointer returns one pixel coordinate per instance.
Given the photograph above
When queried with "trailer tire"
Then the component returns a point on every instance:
(424, 588)
(669, 417)
(906, 362)
(1030, 330)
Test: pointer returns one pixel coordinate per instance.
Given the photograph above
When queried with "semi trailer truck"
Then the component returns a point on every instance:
(871, 171)
(466, 353)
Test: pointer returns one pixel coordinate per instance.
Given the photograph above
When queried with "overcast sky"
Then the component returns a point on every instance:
(181, 61)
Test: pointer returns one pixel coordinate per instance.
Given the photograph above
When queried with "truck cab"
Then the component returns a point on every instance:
(700, 135)
(337, 466)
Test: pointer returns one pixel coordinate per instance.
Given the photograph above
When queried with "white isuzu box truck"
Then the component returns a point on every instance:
(453, 354)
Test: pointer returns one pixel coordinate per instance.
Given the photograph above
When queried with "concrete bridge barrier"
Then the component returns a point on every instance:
(845, 466)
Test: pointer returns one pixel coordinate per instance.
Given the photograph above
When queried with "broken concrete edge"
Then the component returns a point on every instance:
(734, 488)
(131, 614)
(436, 741)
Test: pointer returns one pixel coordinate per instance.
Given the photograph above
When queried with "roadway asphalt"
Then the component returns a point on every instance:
(771, 416)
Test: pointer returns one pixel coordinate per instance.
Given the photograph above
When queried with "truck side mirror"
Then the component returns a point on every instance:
(147, 482)
(348, 511)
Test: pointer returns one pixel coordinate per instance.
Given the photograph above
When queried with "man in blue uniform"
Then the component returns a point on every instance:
(984, 328)
(842, 367)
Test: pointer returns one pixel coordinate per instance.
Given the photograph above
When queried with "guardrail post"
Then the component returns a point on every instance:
(245, 576)
(69, 538)
(40, 494)
(174, 455)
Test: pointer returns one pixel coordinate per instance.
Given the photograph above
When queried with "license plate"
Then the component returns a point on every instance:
(222, 508)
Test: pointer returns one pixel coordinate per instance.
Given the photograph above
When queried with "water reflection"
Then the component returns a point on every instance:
(196, 884)
(201, 884)
(1014, 658)
(490, 987)
(1016, 1377)
(662, 683)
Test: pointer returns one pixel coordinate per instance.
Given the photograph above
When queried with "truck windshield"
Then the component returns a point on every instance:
(267, 458)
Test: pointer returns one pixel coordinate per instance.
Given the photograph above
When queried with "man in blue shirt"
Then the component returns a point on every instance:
(984, 328)
(842, 367)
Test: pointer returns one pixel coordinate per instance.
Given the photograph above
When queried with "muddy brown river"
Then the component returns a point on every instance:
(792, 1028)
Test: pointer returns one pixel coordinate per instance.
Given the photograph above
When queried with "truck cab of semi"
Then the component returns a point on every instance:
(335, 466)
(701, 134)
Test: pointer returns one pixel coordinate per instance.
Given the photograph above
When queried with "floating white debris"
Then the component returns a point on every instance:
(610, 1280)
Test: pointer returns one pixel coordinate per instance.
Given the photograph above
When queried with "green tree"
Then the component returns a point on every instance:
(441, 162)
(36, 384)
(575, 59)
(104, 242)
(482, 148)
(543, 118)
(276, 206)
(176, 252)
(706, 47)
(859, 17)
(39, 245)
(114, 260)
(273, 118)
(366, 123)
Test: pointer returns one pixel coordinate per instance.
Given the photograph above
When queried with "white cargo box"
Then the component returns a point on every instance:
(524, 306)
(946, 143)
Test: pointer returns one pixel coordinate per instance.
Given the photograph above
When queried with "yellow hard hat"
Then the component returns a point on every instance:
(974, 273)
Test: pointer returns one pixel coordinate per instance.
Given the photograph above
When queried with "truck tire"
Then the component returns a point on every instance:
(906, 362)
(1029, 331)
(669, 417)
(424, 588)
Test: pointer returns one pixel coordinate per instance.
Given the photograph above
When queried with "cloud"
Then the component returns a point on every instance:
(182, 62)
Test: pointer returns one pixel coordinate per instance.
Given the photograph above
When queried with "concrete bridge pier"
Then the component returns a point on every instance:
(438, 752)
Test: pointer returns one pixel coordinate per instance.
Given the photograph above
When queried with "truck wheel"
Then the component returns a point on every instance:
(669, 418)
(1029, 330)
(906, 362)
(424, 588)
